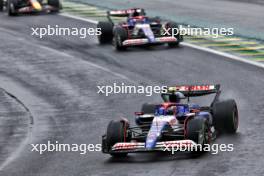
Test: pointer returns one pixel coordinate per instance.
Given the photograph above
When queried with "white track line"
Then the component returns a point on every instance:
(209, 50)
(231, 56)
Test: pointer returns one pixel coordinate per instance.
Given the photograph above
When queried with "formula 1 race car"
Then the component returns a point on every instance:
(138, 29)
(161, 127)
(15, 7)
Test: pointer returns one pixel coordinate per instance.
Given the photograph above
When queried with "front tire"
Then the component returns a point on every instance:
(198, 130)
(120, 35)
(117, 131)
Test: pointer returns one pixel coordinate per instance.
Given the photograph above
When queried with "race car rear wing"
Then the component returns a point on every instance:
(123, 13)
(195, 90)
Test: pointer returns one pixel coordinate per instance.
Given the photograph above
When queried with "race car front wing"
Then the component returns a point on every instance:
(165, 146)
(135, 42)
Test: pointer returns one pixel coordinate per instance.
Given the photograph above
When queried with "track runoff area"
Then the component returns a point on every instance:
(246, 50)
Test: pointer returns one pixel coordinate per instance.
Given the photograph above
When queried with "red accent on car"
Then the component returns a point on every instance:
(139, 113)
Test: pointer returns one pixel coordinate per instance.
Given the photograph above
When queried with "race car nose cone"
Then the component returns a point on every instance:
(150, 144)
(152, 139)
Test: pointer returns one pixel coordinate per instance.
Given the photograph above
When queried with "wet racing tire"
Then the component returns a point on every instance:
(198, 130)
(11, 7)
(117, 132)
(120, 35)
(173, 26)
(56, 4)
(1, 5)
(106, 32)
(225, 116)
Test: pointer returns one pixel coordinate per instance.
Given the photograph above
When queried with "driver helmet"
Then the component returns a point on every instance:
(138, 12)
(176, 97)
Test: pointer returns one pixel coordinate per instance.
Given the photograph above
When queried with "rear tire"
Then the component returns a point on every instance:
(107, 32)
(56, 4)
(117, 132)
(11, 7)
(120, 35)
(173, 25)
(225, 116)
(1, 5)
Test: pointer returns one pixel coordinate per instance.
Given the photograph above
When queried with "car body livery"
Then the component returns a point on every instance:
(161, 127)
(137, 29)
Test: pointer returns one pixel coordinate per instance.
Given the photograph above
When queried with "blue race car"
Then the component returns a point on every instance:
(173, 124)
(137, 29)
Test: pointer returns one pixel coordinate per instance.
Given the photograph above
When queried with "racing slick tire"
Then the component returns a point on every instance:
(225, 116)
(148, 108)
(56, 4)
(1, 5)
(120, 35)
(179, 37)
(107, 32)
(117, 131)
(11, 7)
(198, 130)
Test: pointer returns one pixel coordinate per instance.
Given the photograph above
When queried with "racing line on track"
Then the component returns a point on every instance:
(21, 146)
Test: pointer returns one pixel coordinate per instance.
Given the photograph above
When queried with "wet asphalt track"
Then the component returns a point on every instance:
(56, 79)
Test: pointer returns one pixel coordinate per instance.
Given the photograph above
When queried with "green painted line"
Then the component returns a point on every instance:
(248, 52)
(252, 54)
(228, 39)
(80, 8)
(245, 43)
(245, 48)
(219, 44)
(204, 36)
(88, 15)
(257, 59)
(77, 5)
(197, 41)
(85, 9)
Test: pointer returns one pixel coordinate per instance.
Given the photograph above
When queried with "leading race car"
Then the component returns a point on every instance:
(138, 29)
(15, 7)
(161, 127)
